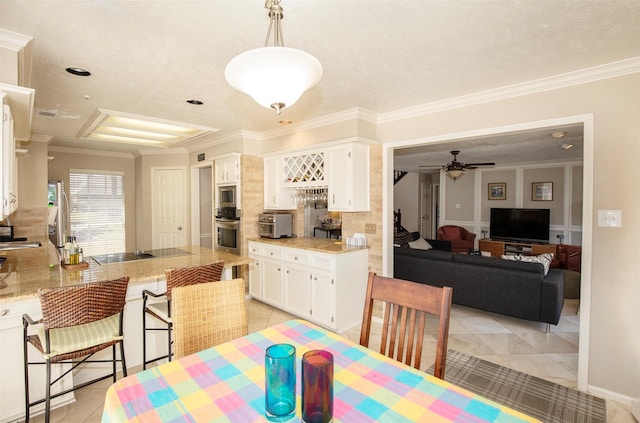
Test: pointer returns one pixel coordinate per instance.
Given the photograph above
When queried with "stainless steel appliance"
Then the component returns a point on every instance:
(227, 197)
(58, 219)
(227, 230)
(275, 225)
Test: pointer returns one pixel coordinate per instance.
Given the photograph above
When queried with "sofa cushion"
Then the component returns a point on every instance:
(543, 259)
(497, 263)
(451, 233)
(420, 244)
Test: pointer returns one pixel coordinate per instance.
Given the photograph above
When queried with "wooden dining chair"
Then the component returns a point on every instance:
(161, 309)
(208, 314)
(77, 322)
(405, 308)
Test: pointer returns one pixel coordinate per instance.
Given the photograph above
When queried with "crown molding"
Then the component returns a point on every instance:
(339, 117)
(583, 76)
(13, 40)
(41, 138)
(239, 135)
(90, 152)
(162, 151)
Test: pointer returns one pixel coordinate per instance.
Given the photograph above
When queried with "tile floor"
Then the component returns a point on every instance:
(511, 342)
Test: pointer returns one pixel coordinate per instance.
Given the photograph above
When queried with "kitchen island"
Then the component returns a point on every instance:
(318, 279)
(27, 270)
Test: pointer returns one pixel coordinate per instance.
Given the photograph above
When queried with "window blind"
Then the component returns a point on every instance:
(96, 211)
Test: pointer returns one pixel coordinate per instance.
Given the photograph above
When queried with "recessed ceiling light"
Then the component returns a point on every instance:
(108, 125)
(558, 135)
(74, 70)
(194, 101)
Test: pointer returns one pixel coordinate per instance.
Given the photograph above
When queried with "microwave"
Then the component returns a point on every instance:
(227, 196)
(275, 225)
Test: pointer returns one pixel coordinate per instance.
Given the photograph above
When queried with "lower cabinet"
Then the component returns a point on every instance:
(11, 354)
(12, 368)
(324, 288)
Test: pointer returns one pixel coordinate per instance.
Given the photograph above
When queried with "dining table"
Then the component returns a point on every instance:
(226, 383)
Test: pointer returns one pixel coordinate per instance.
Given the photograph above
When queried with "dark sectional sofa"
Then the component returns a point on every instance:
(512, 288)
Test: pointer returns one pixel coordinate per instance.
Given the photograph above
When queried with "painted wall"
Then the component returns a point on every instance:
(64, 161)
(406, 195)
(610, 259)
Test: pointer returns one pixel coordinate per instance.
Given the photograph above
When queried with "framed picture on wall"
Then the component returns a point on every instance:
(542, 191)
(497, 190)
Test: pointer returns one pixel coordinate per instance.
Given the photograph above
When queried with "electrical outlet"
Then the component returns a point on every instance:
(370, 228)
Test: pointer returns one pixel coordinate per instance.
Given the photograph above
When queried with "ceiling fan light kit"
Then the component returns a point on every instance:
(456, 169)
(274, 76)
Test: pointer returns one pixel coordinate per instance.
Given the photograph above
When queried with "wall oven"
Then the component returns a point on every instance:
(227, 229)
(227, 235)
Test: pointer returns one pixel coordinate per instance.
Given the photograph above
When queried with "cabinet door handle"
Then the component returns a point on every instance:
(4, 312)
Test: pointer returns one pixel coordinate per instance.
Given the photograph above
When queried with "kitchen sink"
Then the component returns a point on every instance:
(139, 255)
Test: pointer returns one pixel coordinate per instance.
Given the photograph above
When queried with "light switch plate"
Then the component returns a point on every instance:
(369, 228)
(610, 218)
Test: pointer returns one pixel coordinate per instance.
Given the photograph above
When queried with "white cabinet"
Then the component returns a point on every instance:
(12, 368)
(342, 167)
(255, 270)
(9, 175)
(227, 169)
(322, 308)
(325, 288)
(348, 177)
(276, 195)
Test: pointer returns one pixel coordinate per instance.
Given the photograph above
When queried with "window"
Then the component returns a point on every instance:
(96, 211)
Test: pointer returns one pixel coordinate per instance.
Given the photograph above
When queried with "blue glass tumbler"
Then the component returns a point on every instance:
(280, 382)
(317, 387)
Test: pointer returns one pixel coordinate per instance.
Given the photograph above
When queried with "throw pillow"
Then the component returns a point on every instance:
(543, 259)
(420, 244)
(451, 232)
(401, 238)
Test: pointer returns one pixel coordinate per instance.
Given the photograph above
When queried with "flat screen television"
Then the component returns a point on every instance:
(531, 225)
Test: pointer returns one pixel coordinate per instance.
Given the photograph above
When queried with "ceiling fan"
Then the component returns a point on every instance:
(455, 169)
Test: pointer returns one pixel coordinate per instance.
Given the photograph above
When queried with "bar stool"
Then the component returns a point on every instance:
(77, 322)
(161, 310)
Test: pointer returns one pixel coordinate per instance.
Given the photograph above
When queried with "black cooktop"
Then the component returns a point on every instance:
(139, 255)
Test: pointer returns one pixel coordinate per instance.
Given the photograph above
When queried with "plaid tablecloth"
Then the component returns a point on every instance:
(226, 384)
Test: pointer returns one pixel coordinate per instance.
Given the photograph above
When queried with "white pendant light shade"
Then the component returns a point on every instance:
(275, 77)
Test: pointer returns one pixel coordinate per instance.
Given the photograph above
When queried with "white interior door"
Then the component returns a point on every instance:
(168, 211)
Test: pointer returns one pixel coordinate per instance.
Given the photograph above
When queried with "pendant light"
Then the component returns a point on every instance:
(274, 76)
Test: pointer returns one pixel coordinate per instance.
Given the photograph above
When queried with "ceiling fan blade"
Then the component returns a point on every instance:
(479, 164)
(431, 166)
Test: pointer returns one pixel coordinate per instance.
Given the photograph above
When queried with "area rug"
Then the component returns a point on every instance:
(539, 398)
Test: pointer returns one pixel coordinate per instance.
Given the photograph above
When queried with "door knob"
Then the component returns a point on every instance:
(179, 228)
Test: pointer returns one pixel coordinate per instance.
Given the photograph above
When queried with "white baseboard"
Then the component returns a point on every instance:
(613, 396)
(635, 408)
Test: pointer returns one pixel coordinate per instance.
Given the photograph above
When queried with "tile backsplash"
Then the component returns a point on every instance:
(28, 222)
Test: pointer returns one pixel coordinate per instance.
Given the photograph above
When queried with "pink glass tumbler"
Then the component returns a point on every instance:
(317, 387)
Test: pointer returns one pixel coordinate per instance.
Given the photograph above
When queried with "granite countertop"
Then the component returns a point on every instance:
(27, 270)
(321, 245)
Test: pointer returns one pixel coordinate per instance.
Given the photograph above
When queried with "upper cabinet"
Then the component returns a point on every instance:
(304, 170)
(343, 168)
(348, 177)
(227, 169)
(8, 166)
(276, 195)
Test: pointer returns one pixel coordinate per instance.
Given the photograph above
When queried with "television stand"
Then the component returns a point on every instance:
(498, 248)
